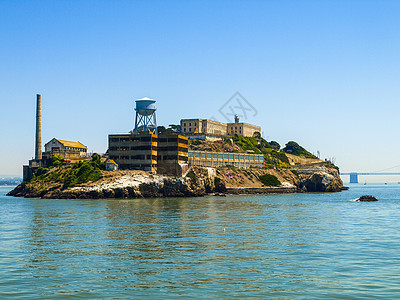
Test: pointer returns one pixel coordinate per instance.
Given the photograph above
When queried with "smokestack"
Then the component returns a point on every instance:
(38, 145)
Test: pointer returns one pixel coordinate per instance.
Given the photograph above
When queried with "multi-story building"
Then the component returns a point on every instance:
(134, 152)
(242, 129)
(172, 155)
(211, 130)
(164, 153)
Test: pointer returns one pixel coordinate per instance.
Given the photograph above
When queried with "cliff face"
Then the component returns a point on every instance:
(198, 182)
(122, 184)
(320, 179)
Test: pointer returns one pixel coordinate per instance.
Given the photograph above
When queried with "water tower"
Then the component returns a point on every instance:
(145, 115)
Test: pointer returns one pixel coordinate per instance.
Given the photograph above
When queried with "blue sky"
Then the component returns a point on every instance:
(323, 73)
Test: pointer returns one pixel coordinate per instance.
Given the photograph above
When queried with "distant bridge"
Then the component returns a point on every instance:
(354, 175)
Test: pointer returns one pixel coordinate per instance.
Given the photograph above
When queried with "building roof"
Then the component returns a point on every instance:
(72, 144)
(111, 161)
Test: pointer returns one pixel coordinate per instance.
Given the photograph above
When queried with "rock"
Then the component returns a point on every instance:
(367, 198)
(320, 179)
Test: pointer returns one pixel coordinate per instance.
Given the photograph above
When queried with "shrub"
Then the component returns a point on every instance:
(82, 172)
(192, 177)
(280, 155)
(41, 171)
(275, 145)
(56, 161)
(295, 149)
(269, 180)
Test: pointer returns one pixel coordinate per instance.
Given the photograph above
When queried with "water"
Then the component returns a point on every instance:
(303, 246)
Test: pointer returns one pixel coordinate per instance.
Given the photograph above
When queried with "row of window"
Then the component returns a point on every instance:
(226, 156)
(135, 157)
(148, 139)
(190, 124)
(133, 139)
(148, 157)
(148, 148)
(220, 163)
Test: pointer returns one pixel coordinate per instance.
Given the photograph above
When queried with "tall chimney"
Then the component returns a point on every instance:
(38, 145)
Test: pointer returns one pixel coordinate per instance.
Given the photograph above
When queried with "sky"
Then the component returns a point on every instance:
(322, 73)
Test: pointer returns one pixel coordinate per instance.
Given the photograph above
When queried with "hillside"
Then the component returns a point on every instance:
(275, 157)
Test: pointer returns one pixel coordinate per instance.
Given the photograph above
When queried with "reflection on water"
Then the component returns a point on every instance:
(283, 246)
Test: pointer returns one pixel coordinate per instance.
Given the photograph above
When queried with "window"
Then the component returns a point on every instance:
(190, 129)
(203, 155)
(208, 155)
(215, 155)
(184, 129)
(190, 124)
(226, 156)
(191, 154)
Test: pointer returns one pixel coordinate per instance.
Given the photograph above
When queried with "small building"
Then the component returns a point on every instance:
(111, 165)
(57, 144)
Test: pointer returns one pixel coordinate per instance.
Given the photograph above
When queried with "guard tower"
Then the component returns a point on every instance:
(145, 115)
(236, 118)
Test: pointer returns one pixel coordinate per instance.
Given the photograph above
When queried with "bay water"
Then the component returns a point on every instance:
(296, 246)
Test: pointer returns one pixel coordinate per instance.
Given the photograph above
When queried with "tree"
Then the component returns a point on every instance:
(257, 135)
(275, 145)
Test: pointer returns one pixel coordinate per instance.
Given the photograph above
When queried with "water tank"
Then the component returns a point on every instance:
(145, 106)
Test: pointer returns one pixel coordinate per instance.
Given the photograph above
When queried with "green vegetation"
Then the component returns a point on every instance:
(280, 156)
(246, 143)
(171, 129)
(56, 161)
(82, 172)
(269, 180)
(68, 175)
(192, 176)
(296, 149)
(275, 145)
(295, 172)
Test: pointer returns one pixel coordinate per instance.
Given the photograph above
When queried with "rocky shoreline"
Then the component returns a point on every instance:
(201, 182)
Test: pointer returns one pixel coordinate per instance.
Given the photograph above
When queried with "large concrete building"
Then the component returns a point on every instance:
(164, 153)
(212, 130)
(134, 151)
